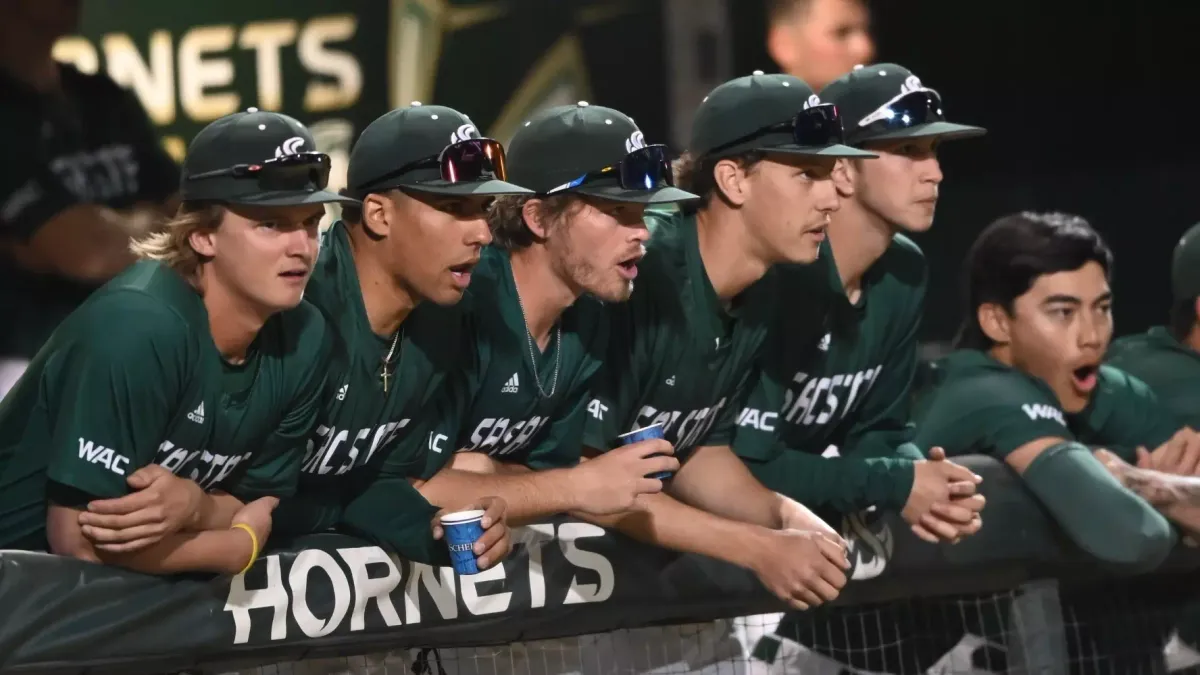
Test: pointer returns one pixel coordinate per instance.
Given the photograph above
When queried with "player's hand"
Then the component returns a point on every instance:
(1180, 455)
(804, 568)
(611, 483)
(257, 515)
(495, 543)
(943, 504)
(161, 505)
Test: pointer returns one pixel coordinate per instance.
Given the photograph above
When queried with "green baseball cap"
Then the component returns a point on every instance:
(757, 112)
(592, 150)
(404, 149)
(886, 101)
(1185, 266)
(257, 158)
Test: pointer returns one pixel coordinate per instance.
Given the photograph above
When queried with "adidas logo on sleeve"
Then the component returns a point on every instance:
(512, 386)
(197, 415)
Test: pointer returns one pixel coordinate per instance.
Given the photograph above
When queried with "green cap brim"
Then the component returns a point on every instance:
(667, 195)
(825, 151)
(487, 187)
(946, 131)
(292, 198)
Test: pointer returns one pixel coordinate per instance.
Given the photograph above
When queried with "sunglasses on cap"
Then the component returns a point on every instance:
(647, 168)
(302, 171)
(469, 161)
(814, 127)
(909, 109)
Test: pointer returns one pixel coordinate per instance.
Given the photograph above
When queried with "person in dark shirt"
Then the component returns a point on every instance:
(92, 173)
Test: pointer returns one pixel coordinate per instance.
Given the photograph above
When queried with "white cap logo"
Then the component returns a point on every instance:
(812, 101)
(911, 83)
(635, 142)
(289, 147)
(464, 133)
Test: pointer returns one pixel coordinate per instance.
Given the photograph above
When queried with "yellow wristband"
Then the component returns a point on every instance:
(253, 542)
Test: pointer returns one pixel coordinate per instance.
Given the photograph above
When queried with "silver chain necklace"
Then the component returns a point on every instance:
(385, 375)
(533, 355)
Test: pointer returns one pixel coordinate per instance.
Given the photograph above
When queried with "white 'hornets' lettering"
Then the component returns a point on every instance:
(106, 457)
(1042, 411)
(333, 450)
(502, 436)
(684, 429)
(757, 419)
(349, 590)
(597, 409)
(825, 399)
(206, 469)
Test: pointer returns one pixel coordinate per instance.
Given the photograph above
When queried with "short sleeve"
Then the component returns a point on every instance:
(993, 412)
(614, 387)
(31, 193)
(275, 469)
(158, 174)
(111, 395)
(756, 436)
(1124, 414)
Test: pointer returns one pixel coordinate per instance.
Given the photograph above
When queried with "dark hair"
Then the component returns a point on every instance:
(1183, 318)
(506, 218)
(779, 10)
(696, 174)
(1010, 254)
(351, 213)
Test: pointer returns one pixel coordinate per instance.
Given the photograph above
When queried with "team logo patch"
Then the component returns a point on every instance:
(635, 142)
(464, 133)
(813, 100)
(289, 147)
(911, 83)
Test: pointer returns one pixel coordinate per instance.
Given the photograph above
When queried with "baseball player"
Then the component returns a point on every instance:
(683, 350)
(559, 257)
(165, 416)
(828, 424)
(389, 281)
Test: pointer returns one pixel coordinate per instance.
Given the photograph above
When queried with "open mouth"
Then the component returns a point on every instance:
(1084, 377)
(294, 275)
(462, 273)
(628, 267)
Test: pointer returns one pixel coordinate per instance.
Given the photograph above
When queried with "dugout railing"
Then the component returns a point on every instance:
(330, 595)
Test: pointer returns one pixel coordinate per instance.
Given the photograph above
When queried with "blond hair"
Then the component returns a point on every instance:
(170, 243)
(506, 218)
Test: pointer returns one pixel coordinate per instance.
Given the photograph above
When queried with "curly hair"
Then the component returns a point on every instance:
(506, 219)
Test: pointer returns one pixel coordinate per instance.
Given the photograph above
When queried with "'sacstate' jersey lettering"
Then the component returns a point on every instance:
(206, 469)
(685, 428)
(336, 451)
(503, 436)
(818, 401)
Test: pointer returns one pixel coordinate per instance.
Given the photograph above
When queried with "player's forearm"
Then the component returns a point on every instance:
(530, 496)
(218, 551)
(664, 521)
(843, 483)
(715, 480)
(216, 512)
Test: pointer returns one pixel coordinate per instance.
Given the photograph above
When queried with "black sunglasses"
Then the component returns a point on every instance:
(815, 127)
(647, 168)
(302, 171)
(905, 111)
(468, 161)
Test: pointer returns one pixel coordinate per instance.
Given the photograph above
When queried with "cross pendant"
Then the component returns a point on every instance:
(385, 376)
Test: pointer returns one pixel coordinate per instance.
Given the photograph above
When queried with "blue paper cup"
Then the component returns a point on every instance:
(644, 434)
(462, 529)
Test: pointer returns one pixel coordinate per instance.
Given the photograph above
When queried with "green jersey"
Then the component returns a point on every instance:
(92, 145)
(133, 378)
(676, 354)
(526, 411)
(981, 406)
(828, 422)
(1171, 368)
(363, 430)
